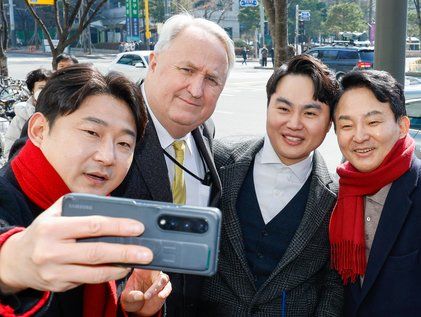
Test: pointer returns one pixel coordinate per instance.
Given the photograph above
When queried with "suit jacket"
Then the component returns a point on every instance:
(302, 284)
(148, 179)
(392, 283)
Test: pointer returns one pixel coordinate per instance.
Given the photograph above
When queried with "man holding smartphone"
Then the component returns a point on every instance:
(173, 162)
(81, 139)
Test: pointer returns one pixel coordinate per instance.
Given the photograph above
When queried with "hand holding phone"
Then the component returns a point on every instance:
(183, 239)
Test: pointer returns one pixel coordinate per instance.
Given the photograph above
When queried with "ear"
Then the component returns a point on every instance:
(404, 124)
(152, 61)
(329, 126)
(37, 128)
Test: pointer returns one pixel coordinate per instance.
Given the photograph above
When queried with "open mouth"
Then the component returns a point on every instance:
(292, 140)
(364, 151)
(97, 177)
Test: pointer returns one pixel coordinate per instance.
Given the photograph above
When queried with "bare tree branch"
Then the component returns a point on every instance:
(57, 19)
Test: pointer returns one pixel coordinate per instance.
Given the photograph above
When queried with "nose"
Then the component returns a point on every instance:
(361, 134)
(195, 87)
(294, 121)
(105, 153)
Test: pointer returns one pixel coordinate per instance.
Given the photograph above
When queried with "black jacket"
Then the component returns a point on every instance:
(16, 210)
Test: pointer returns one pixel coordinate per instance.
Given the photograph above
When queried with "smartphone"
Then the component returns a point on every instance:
(183, 239)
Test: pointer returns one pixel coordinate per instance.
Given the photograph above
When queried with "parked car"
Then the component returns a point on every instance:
(343, 59)
(412, 88)
(413, 110)
(133, 65)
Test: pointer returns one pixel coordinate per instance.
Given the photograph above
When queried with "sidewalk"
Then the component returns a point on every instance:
(78, 52)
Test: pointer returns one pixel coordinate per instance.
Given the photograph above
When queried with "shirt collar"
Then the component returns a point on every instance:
(381, 195)
(301, 169)
(165, 139)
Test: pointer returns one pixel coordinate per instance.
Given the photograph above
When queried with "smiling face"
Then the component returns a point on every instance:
(366, 128)
(92, 148)
(184, 80)
(296, 123)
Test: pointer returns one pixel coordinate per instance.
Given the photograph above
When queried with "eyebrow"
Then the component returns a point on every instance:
(312, 105)
(105, 124)
(214, 75)
(368, 114)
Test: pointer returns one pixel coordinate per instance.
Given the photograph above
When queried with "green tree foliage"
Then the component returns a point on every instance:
(412, 25)
(156, 9)
(249, 20)
(313, 28)
(344, 17)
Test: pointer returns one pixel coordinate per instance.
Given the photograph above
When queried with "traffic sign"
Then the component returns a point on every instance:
(249, 3)
(304, 15)
(41, 2)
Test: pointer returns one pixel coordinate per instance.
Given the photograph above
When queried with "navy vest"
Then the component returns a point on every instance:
(266, 244)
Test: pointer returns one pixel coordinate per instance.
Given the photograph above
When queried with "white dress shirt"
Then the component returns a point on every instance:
(196, 193)
(276, 183)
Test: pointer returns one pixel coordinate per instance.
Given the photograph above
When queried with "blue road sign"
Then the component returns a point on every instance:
(304, 15)
(249, 3)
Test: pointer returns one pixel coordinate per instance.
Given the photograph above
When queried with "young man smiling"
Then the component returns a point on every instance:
(375, 227)
(277, 200)
(81, 139)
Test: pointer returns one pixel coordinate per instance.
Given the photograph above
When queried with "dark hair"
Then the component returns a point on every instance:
(66, 57)
(326, 87)
(384, 87)
(70, 86)
(39, 74)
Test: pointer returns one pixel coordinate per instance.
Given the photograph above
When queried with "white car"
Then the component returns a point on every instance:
(133, 65)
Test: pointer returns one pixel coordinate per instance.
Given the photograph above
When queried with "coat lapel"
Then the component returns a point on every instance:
(151, 165)
(234, 175)
(395, 211)
(320, 201)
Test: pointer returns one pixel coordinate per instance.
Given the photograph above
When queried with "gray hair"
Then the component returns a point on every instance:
(177, 23)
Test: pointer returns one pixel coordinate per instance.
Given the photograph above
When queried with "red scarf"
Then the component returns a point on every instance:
(43, 186)
(346, 229)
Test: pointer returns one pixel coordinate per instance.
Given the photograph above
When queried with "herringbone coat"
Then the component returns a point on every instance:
(302, 284)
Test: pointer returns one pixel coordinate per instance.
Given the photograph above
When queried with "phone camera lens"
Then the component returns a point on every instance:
(202, 226)
(187, 226)
(173, 224)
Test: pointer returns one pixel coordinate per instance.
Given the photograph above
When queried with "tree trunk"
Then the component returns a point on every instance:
(65, 19)
(417, 7)
(4, 30)
(277, 12)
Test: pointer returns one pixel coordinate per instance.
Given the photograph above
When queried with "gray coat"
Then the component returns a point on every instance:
(302, 278)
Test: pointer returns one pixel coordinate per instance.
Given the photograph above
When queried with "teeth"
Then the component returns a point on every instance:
(364, 151)
(293, 139)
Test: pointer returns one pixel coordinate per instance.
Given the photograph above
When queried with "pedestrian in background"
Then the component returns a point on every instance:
(264, 56)
(244, 55)
(65, 60)
(35, 82)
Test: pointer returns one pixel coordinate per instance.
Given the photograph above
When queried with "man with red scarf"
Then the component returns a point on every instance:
(375, 229)
(81, 139)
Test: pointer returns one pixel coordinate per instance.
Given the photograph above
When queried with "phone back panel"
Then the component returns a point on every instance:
(174, 251)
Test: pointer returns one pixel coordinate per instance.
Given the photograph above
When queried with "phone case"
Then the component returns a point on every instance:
(174, 251)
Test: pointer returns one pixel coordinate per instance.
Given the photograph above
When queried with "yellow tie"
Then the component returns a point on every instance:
(178, 185)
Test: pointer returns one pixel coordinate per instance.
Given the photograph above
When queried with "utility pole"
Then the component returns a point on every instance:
(390, 41)
(262, 23)
(12, 24)
(296, 28)
(147, 31)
